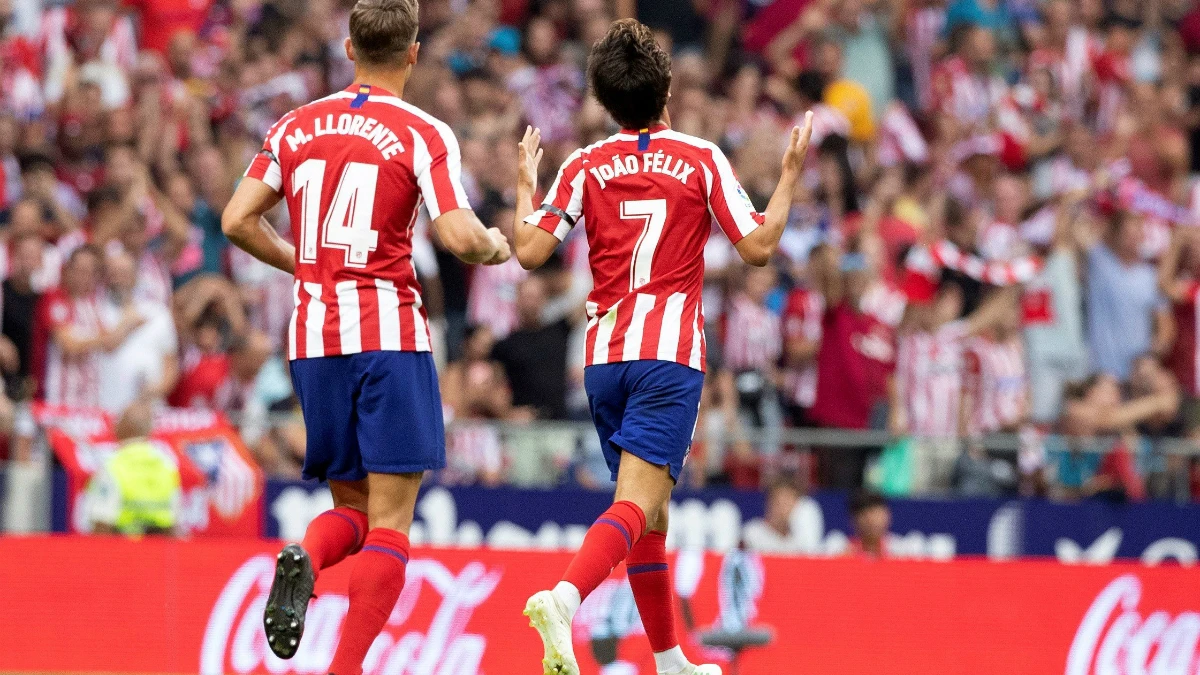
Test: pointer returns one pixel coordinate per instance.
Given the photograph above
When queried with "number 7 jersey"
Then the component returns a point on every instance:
(354, 168)
(647, 202)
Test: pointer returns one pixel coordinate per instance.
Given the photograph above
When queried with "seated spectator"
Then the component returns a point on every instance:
(1095, 409)
(872, 518)
(136, 490)
(775, 532)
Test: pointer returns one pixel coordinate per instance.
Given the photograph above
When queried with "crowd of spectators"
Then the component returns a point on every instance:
(995, 231)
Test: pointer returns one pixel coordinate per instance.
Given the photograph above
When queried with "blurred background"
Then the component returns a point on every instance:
(979, 337)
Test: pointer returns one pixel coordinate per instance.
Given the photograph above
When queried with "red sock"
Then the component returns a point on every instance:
(333, 535)
(375, 585)
(651, 583)
(604, 547)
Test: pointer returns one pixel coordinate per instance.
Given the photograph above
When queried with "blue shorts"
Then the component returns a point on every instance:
(646, 408)
(374, 412)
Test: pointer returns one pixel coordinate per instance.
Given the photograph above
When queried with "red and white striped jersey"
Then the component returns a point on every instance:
(354, 168)
(72, 381)
(965, 95)
(929, 379)
(647, 202)
(802, 318)
(996, 382)
(492, 298)
(753, 339)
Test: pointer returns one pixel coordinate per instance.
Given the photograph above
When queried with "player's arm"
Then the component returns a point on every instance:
(757, 245)
(461, 232)
(456, 225)
(537, 231)
(243, 223)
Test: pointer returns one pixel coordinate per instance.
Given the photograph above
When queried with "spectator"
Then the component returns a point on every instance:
(854, 362)
(801, 323)
(473, 390)
(136, 489)
(77, 334)
(1127, 314)
(1054, 320)
(926, 398)
(534, 356)
(753, 346)
(776, 532)
(872, 517)
(145, 365)
(996, 388)
(1094, 408)
(17, 322)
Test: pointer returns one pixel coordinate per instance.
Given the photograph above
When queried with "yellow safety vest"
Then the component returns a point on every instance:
(148, 483)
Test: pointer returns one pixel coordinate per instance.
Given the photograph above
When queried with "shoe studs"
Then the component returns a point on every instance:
(294, 624)
(271, 639)
(270, 621)
(292, 642)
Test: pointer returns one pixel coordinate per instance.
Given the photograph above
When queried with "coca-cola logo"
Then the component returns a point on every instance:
(234, 641)
(1115, 638)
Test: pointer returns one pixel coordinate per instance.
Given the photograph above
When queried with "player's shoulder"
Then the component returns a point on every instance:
(404, 113)
(688, 144)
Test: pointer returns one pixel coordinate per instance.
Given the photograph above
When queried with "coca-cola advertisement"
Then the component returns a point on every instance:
(106, 605)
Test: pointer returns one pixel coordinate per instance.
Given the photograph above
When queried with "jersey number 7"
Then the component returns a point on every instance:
(654, 213)
(347, 224)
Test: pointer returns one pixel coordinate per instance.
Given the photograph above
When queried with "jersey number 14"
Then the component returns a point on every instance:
(347, 224)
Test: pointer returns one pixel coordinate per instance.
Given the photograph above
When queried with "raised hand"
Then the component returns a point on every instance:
(529, 155)
(797, 150)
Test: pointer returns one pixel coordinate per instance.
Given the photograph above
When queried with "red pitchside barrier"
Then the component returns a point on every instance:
(80, 604)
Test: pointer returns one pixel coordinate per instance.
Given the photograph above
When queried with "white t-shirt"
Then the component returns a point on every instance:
(137, 364)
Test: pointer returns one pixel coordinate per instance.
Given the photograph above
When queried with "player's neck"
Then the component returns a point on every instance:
(392, 81)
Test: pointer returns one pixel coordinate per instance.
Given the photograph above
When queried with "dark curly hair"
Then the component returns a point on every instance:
(630, 74)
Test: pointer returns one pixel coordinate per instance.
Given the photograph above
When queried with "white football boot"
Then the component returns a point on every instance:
(552, 620)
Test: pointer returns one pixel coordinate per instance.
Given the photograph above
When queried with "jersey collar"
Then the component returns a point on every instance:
(651, 129)
(367, 89)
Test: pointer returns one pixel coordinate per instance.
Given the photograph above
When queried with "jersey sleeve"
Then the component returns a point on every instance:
(437, 164)
(564, 202)
(265, 165)
(727, 201)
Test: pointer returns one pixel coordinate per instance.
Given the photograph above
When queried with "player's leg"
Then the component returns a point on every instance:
(650, 579)
(378, 576)
(641, 487)
(645, 414)
(401, 435)
(338, 532)
(326, 389)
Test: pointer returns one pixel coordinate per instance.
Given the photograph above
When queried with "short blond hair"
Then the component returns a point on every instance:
(383, 30)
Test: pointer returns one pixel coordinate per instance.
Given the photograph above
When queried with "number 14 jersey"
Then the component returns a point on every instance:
(647, 201)
(354, 168)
